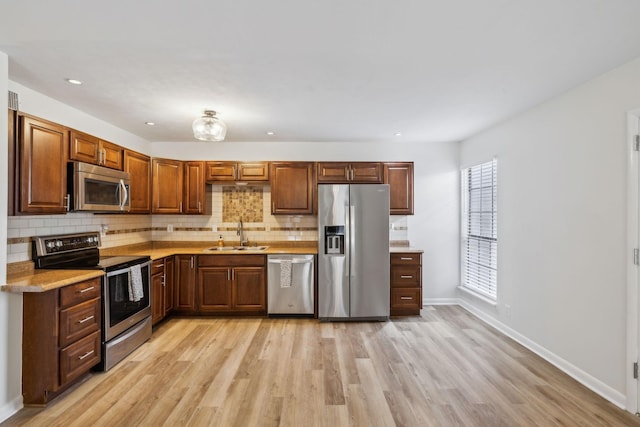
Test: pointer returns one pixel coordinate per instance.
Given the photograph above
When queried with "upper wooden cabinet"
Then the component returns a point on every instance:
(167, 186)
(353, 172)
(292, 188)
(399, 176)
(89, 149)
(139, 168)
(194, 188)
(42, 161)
(237, 171)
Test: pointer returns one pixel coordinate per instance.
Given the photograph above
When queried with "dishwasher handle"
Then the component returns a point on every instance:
(293, 261)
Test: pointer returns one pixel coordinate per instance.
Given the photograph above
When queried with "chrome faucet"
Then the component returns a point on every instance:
(240, 232)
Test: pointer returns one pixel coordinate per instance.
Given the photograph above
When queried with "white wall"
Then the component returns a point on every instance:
(10, 305)
(562, 224)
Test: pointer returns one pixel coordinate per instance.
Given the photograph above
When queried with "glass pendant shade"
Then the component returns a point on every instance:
(209, 127)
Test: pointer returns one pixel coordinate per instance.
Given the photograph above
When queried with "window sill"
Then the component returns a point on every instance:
(479, 296)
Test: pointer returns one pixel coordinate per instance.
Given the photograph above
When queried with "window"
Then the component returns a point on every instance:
(480, 229)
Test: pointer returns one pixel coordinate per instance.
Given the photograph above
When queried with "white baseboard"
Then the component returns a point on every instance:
(10, 408)
(594, 384)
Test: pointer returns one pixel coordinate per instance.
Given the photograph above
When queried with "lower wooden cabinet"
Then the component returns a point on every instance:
(406, 283)
(162, 295)
(233, 284)
(60, 339)
(185, 284)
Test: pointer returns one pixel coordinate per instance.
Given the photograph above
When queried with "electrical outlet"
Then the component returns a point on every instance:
(214, 228)
(170, 228)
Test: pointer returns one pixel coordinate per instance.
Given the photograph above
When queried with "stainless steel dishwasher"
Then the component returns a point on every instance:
(291, 284)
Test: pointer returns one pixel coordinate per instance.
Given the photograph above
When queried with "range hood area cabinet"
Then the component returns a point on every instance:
(228, 172)
(90, 149)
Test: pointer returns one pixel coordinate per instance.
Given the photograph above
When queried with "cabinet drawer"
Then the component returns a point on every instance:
(157, 267)
(409, 276)
(79, 320)
(406, 299)
(406, 259)
(79, 357)
(83, 291)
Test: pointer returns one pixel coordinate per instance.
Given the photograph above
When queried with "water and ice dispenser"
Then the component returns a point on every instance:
(334, 239)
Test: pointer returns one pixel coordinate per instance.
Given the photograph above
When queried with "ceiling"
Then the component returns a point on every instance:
(314, 70)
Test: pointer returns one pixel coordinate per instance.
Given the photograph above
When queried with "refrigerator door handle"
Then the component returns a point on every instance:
(352, 212)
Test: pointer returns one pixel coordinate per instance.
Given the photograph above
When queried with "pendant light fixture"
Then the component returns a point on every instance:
(209, 127)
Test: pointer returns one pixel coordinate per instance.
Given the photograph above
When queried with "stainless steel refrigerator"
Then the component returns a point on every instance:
(353, 252)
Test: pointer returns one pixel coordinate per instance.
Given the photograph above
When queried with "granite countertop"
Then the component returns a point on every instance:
(46, 280)
(24, 278)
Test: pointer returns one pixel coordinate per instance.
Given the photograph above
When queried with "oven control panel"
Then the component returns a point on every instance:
(47, 245)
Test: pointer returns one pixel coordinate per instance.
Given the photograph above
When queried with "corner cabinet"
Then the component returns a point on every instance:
(167, 186)
(42, 162)
(139, 168)
(60, 339)
(406, 283)
(399, 176)
(292, 188)
(232, 284)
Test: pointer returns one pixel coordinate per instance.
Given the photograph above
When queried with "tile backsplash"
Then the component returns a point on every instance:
(225, 206)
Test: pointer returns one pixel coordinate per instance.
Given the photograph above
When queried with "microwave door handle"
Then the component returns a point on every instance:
(124, 195)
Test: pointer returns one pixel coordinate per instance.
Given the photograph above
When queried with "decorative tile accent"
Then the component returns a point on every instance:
(242, 202)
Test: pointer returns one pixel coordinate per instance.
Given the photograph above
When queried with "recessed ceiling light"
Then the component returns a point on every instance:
(150, 123)
(397, 134)
(270, 133)
(74, 81)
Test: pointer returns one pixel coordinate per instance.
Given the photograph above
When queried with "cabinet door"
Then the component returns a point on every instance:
(333, 172)
(185, 283)
(292, 188)
(399, 176)
(253, 171)
(367, 172)
(220, 171)
(249, 289)
(167, 186)
(84, 148)
(214, 289)
(12, 199)
(194, 188)
(169, 286)
(111, 155)
(157, 298)
(139, 168)
(43, 166)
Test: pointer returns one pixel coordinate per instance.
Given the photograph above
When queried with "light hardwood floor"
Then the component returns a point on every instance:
(444, 368)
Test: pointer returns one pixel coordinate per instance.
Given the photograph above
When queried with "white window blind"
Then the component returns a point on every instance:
(480, 229)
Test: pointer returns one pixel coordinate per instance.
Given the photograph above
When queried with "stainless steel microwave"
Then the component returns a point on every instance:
(97, 189)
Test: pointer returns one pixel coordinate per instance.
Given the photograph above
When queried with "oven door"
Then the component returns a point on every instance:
(125, 302)
(99, 189)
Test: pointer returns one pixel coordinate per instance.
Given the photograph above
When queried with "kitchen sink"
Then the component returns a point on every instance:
(238, 248)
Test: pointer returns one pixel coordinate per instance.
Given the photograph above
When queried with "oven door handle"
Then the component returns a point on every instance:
(124, 195)
(126, 270)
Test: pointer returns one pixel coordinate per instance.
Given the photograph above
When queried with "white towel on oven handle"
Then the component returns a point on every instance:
(136, 291)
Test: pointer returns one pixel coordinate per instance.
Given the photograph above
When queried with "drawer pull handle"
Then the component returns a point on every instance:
(406, 258)
(159, 266)
(406, 277)
(84, 356)
(406, 297)
(86, 319)
(90, 288)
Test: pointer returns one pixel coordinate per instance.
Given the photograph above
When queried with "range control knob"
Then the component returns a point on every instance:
(50, 244)
(58, 243)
